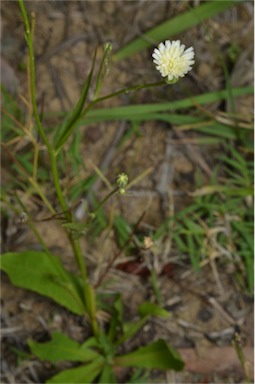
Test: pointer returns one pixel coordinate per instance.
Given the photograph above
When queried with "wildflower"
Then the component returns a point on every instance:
(122, 180)
(172, 60)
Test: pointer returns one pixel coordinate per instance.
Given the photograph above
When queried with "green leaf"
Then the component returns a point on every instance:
(155, 286)
(216, 129)
(139, 376)
(122, 229)
(84, 185)
(107, 375)
(106, 345)
(158, 355)
(174, 26)
(104, 68)
(130, 329)
(61, 348)
(9, 114)
(100, 222)
(84, 374)
(74, 155)
(43, 273)
(66, 129)
(228, 190)
(118, 308)
(117, 318)
(91, 342)
(90, 299)
(139, 112)
(194, 252)
(148, 308)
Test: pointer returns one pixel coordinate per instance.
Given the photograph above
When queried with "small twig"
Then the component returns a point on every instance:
(58, 216)
(237, 344)
(214, 303)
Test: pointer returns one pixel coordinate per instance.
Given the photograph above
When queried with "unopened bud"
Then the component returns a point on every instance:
(122, 180)
(92, 215)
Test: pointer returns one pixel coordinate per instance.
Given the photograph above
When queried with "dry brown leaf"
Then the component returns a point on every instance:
(216, 359)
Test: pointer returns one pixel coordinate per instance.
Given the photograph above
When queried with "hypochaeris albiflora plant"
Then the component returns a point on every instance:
(98, 355)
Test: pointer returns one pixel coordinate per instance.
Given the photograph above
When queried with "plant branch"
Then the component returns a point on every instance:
(29, 39)
(122, 91)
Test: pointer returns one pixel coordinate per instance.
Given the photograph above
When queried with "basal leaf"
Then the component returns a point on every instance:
(43, 273)
(83, 374)
(158, 355)
(61, 348)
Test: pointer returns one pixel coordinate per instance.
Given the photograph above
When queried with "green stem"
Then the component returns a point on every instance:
(53, 156)
(88, 290)
(29, 39)
(105, 199)
(93, 214)
(75, 245)
(122, 91)
(35, 163)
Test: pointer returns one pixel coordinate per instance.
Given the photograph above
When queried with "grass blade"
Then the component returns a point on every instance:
(173, 27)
(133, 112)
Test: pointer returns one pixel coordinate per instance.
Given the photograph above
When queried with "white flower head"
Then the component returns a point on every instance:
(172, 60)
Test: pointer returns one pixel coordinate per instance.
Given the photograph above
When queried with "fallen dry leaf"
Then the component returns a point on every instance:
(217, 359)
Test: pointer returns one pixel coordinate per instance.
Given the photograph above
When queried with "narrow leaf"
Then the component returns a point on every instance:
(148, 308)
(130, 329)
(104, 68)
(117, 318)
(229, 190)
(122, 229)
(69, 125)
(158, 355)
(173, 27)
(133, 112)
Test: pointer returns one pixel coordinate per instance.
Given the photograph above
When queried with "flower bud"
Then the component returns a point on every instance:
(122, 180)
